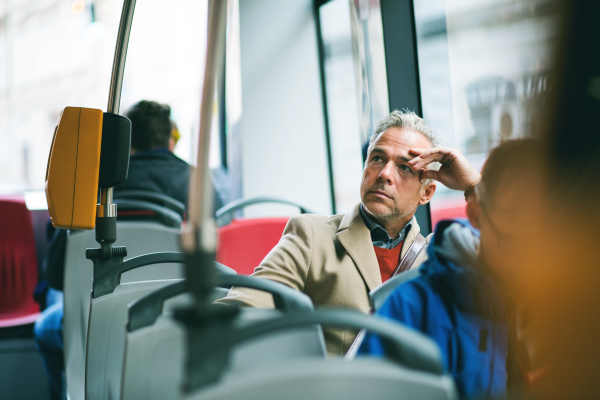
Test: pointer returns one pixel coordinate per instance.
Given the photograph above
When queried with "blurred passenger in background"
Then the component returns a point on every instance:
(465, 298)
(152, 165)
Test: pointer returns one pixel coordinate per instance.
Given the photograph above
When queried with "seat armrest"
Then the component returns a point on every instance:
(146, 310)
(405, 346)
(211, 343)
(152, 197)
(165, 215)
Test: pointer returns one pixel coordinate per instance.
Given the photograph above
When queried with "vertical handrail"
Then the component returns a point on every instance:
(116, 84)
(199, 196)
(199, 234)
(118, 69)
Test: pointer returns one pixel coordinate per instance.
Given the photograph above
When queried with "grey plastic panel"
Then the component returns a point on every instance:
(405, 346)
(153, 362)
(140, 238)
(296, 343)
(106, 338)
(330, 379)
(145, 311)
(154, 356)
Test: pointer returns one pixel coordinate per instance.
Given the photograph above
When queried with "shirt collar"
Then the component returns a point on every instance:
(379, 236)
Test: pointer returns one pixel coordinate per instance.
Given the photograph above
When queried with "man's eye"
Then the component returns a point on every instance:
(406, 168)
(376, 159)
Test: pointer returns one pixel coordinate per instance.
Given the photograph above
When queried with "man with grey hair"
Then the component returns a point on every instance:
(337, 260)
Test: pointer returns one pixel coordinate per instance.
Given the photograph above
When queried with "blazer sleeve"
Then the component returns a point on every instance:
(288, 263)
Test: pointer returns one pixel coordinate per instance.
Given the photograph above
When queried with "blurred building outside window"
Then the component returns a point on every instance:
(356, 88)
(484, 67)
(55, 54)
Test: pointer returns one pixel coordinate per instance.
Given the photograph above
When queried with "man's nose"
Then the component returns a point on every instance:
(386, 173)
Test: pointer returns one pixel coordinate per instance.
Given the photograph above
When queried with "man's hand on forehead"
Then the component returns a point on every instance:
(455, 173)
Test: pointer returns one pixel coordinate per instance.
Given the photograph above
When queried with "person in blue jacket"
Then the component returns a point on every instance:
(463, 298)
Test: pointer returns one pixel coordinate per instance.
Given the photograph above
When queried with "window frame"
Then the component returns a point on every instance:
(404, 90)
(402, 64)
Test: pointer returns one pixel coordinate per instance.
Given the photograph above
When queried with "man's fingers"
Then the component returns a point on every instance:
(441, 151)
(429, 174)
(423, 162)
(416, 151)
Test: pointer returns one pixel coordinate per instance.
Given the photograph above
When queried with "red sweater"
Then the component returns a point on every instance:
(388, 260)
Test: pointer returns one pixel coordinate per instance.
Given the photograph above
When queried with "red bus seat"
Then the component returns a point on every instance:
(448, 208)
(244, 243)
(18, 264)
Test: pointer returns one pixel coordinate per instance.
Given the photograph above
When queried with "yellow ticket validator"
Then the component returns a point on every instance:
(73, 168)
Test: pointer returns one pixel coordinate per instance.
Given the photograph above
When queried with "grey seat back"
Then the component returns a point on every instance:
(140, 238)
(106, 338)
(299, 343)
(154, 355)
(413, 368)
(330, 379)
(108, 320)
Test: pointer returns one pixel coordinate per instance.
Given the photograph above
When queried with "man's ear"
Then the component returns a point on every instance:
(473, 210)
(428, 193)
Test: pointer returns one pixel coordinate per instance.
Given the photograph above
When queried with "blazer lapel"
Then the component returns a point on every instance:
(354, 235)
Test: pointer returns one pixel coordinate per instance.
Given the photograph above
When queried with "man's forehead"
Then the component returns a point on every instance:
(402, 138)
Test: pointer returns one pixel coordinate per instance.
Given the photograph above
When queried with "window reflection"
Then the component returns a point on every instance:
(57, 54)
(356, 88)
(484, 68)
(342, 102)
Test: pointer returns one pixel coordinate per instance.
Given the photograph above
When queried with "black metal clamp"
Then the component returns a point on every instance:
(107, 272)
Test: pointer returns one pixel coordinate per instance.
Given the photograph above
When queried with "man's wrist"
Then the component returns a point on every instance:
(469, 191)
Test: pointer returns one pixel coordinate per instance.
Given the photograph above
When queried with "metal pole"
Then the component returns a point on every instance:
(116, 79)
(198, 235)
(114, 95)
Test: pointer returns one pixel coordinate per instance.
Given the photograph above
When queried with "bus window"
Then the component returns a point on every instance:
(483, 70)
(355, 82)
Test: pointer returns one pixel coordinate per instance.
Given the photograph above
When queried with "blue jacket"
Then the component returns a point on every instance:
(462, 310)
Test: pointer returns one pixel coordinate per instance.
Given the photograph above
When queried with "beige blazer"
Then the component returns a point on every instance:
(329, 258)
